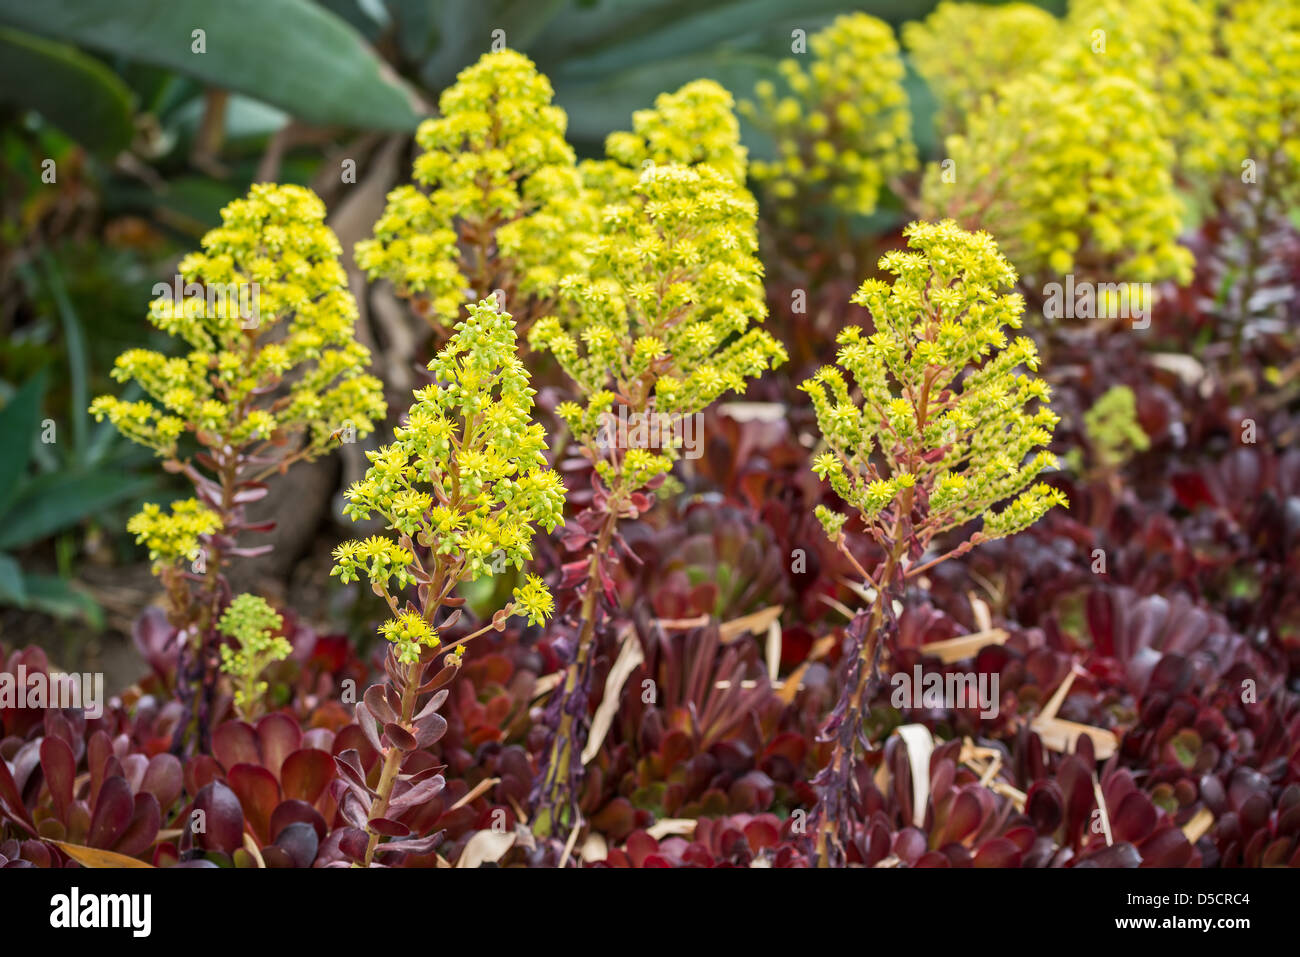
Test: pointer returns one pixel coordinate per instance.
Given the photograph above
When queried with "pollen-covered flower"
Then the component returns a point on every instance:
(533, 600)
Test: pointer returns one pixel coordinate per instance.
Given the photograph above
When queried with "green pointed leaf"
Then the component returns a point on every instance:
(72, 91)
(19, 420)
(58, 597)
(13, 589)
(51, 503)
(290, 53)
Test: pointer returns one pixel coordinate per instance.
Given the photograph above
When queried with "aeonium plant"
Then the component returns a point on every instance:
(497, 202)
(273, 375)
(663, 327)
(462, 489)
(843, 131)
(937, 429)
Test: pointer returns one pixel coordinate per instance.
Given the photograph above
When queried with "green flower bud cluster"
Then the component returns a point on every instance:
(1112, 427)
(464, 477)
(844, 129)
(254, 625)
(1168, 48)
(945, 424)
(1073, 178)
(497, 203)
(965, 51)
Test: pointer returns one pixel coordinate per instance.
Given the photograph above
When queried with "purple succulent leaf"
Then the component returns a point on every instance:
(401, 739)
(143, 829)
(354, 811)
(113, 813)
(429, 730)
(164, 778)
(433, 704)
(421, 846)
(376, 699)
(388, 827)
(300, 842)
(223, 818)
(424, 791)
(60, 768)
(366, 722)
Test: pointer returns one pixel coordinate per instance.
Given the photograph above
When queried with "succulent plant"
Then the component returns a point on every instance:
(462, 489)
(927, 449)
(274, 375)
(497, 203)
(664, 325)
(962, 51)
(1102, 207)
(843, 132)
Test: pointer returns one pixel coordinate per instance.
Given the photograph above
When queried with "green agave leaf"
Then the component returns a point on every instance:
(56, 596)
(598, 105)
(19, 421)
(13, 588)
(51, 503)
(463, 30)
(613, 35)
(290, 53)
(74, 92)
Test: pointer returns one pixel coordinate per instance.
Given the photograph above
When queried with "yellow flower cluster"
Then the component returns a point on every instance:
(1260, 113)
(174, 535)
(1168, 48)
(534, 601)
(411, 634)
(965, 51)
(666, 315)
(273, 368)
(464, 477)
(499, 202)
(1072, 178)
(942, 408)
(695, 124)
(844, 129)
(265, 305)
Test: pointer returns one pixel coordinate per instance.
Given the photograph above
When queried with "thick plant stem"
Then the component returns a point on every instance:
(393, 760)
(198, 686)
(564, 743)
(843, 755)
